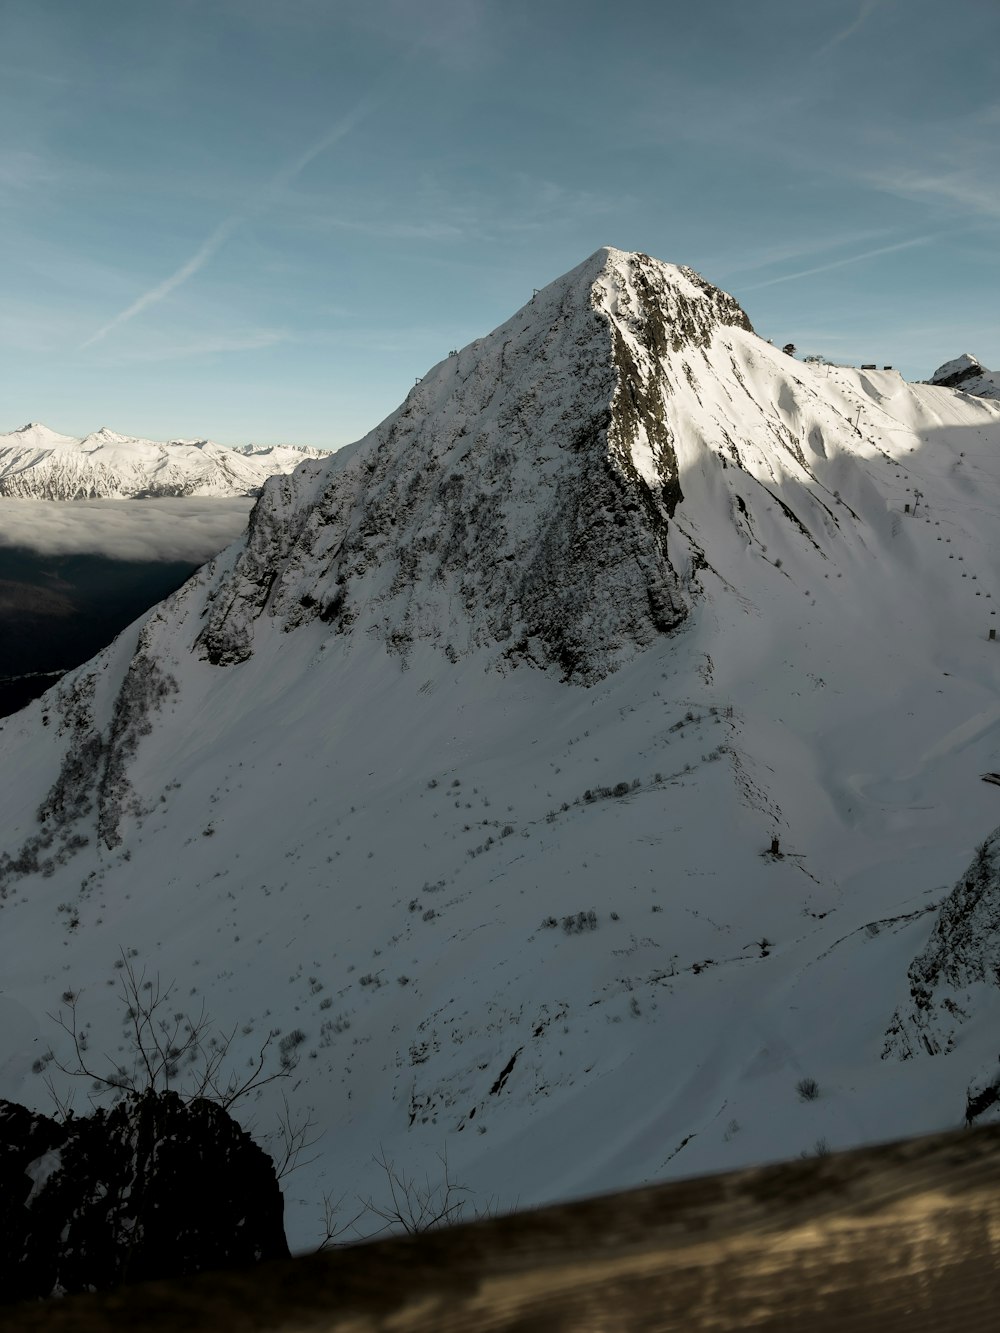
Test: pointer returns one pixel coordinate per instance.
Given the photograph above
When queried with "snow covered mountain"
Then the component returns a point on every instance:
(967, 374)
(37, 463)
(570, 774)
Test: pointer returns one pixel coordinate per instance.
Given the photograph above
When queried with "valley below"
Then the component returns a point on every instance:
(62, 599)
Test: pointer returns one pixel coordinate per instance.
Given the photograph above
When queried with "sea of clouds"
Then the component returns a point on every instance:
(172, 529)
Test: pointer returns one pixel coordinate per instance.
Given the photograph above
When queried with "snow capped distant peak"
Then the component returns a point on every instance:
(952, 372)
(279, 450)
(967, 373)
(35, 435)
(38, 463)
(961, 363)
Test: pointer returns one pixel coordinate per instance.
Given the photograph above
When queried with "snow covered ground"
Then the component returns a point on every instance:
(452, 813)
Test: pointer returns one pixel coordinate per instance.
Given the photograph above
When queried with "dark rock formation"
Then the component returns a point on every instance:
(154, 1187)
(961, 959)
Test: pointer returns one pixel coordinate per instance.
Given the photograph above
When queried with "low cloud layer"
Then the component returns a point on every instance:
(173, 529)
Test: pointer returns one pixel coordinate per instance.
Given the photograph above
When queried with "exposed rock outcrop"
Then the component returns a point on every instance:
(960, 961)
(154, 1187)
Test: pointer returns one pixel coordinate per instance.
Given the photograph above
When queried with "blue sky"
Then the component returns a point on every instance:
(262, 219)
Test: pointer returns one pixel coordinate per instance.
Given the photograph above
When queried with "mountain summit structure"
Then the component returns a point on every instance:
(570, 774)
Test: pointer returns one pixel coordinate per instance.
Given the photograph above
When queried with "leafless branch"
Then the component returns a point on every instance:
(295, 1140)
(168, 1050)
(332, 1230)
(413, 1207)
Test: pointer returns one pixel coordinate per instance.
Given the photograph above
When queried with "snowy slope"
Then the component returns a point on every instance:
(466, 764)
(967, 374)
(37, 463)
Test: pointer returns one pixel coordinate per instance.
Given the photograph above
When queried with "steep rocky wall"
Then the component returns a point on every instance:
(961, 957)
(502, 505)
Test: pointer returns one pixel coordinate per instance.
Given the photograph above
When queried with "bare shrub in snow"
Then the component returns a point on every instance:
(411, 1206)
(169, 1049)
(580, 922)
(808, 1089)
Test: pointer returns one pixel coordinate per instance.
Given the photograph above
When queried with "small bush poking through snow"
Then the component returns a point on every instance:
(808, 1089)
(287, 1047)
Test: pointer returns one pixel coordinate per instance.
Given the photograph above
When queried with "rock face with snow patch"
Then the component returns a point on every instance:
(960, 965)
(37, 463)
(968, 375)
(153, 1188)
(520, 499)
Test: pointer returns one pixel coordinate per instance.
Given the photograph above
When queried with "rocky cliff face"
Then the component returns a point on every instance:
(519, 500)
(959, 969)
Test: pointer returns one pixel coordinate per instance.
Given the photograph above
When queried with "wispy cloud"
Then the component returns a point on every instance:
(515, 203)
(864, 14)
(209, 345)
(839, 263)
(23, 170)
(162, 289)
(784, 252)
(965, 189)
(217, 238)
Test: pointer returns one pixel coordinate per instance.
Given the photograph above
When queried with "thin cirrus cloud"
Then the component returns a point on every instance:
(278, 182)
(868, 7)
(978, 195)
(209, 345)
(753, 260)
(162, 289)
(838, 263)
(191, 529)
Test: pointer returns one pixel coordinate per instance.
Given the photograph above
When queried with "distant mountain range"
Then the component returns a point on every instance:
(40, 464)
(576, 780)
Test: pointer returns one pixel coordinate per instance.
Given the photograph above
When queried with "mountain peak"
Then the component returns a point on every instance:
(519, 500)
(34, 434)
(962, 366)
(967, 373)
(678, 303)
(109, 436)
